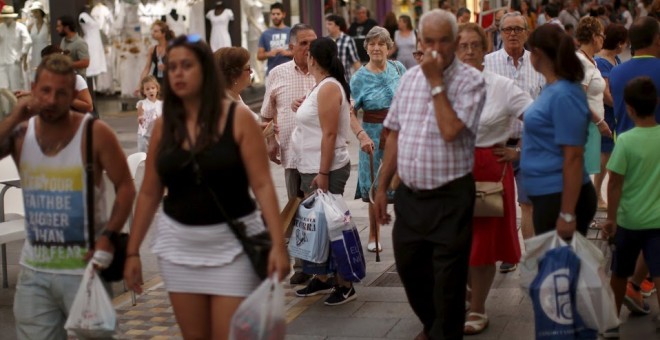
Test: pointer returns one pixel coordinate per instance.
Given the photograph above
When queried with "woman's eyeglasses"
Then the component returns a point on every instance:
(248, 69)
(418, 54)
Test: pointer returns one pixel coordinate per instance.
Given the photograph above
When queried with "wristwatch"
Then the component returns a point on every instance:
(436, 90)
(567, 217)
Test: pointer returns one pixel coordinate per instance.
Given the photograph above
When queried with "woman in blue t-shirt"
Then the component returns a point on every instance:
(555, 132)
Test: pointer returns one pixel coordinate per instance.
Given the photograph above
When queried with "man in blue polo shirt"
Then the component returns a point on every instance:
(645, 41)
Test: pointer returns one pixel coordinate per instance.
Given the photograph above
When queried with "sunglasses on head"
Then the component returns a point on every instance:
(189, 38)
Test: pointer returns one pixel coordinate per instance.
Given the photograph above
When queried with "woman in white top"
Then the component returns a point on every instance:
(405, 40)
(494, 238)
(40, 35)
(589, 34)
(320, 142)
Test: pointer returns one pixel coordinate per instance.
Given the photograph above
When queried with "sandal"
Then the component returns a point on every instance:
(371, 247)
(473, 327)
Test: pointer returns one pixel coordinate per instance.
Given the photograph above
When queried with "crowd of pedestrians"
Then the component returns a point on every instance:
(522, 102)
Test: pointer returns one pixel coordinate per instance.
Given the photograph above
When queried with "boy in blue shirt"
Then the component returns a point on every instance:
(633, 215)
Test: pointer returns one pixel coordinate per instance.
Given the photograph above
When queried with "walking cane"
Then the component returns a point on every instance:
(373, 224)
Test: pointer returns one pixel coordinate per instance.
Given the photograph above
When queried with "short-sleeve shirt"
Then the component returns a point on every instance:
(605, 67)
(78, 50)
(151, 112)
(595, 85)
(619, 78)
(375, 91)
(347, 53)
(637, 159)
(558, 117)
(424, 159)
(274, 38)
(81, 83)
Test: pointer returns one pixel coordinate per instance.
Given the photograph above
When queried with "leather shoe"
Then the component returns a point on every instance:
(299, 278)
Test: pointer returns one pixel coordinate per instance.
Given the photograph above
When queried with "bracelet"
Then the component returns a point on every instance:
(600, 121)
(358, 134)
(324, 173)
(133, 255)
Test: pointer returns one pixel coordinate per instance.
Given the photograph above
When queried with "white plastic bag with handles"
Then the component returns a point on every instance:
(261, 316)
(92, 315)
(595, 299)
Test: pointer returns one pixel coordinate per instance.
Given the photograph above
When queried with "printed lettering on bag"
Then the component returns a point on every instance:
(555, 297)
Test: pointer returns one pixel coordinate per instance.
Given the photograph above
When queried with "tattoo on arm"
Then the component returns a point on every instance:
(7, 146)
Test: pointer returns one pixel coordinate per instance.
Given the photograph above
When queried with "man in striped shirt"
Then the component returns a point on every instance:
(513, 62)
(433, 118)
(347, 51)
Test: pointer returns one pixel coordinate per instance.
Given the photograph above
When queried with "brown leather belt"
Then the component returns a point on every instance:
(375, 116)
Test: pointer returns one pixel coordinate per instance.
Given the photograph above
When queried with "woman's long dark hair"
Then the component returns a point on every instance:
(559, 47)
(210, 111)
(324, 51)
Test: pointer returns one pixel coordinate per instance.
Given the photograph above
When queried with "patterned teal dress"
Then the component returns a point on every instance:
(371, 92)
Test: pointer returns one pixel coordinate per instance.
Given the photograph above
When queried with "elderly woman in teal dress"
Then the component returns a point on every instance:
(372, 89)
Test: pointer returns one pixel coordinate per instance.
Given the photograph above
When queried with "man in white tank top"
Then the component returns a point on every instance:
(46, 140)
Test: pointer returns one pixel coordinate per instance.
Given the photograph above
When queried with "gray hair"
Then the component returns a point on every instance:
(513, 15)
(438, 16)
(297, 28)
(378, 33)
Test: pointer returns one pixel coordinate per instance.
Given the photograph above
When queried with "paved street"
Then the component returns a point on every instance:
(380, 311)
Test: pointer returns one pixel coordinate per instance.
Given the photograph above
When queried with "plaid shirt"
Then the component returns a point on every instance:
(425, 161)
(524, 76)
(347, 53)
(284, 84)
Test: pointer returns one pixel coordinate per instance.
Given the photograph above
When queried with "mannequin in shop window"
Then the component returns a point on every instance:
(176, 22)
(39, 33)
(220, 18)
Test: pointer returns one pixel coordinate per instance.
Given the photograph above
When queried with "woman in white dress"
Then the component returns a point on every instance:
(92, 30)
(220, 18)
(40, 34)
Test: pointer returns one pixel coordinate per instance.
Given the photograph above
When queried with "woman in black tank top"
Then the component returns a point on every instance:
(156, 63)
(203, 147)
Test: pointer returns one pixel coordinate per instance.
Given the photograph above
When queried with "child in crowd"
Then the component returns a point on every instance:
(149, 109)
(633, 215)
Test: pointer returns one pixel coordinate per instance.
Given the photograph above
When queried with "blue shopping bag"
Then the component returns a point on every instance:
(309, 237)
(553, 293)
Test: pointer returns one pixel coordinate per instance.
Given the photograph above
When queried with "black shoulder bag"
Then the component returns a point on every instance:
(114, 272)
(257, 247)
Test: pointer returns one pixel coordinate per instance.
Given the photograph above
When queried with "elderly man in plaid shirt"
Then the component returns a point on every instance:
(433, 119)
(347, 51)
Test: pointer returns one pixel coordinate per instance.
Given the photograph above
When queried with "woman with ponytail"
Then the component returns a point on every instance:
(555, 133)
(156, 63)
(320, 142)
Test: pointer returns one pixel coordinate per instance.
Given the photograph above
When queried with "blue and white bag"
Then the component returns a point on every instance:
(309, 236)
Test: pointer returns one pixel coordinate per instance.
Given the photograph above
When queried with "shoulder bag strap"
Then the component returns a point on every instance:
(396, 66)
(503, 171)
(89, 174)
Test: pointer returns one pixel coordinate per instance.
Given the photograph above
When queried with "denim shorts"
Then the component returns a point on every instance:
(627, 245)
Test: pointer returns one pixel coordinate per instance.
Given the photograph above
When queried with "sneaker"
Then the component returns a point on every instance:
(647, 288)
(507, 267)
(315, 287)
(299, 278)
(612, 333)
(634, 301)
(340, 295)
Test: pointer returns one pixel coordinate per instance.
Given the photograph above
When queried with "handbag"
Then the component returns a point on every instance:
(115, 271)
(489, 200)
(257, 247)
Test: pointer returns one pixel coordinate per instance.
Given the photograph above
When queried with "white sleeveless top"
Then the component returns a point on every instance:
(55, 210)
(306, 138)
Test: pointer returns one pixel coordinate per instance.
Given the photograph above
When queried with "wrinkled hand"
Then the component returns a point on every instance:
(278, 262)
(604, 130)
(380, 208)
(609, 229)
(432, 66)
(296, 104)
(320, 182)
(366, 144)
(274, 150)
(506, 154)
(133, 274)
(565, 230)
(20, 94)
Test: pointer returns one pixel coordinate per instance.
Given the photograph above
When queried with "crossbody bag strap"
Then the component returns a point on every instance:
(503, 171)
(89, 177)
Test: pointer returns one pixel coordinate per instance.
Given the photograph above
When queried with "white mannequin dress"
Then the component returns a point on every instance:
(196, 22)
(97, 62)
(40, 39)
(220, 28)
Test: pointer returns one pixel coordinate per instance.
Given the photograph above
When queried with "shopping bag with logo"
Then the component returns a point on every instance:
(553, 294)
(309, 237)
(261, 316)
(92, 315)
(346, 248)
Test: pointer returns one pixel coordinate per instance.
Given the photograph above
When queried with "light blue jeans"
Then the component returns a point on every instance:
(143, 143)
(42, 303)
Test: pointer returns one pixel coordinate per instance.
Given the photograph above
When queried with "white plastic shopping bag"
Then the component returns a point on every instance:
(92, 314)
(594, 297)
(261, 316)
(309, 237)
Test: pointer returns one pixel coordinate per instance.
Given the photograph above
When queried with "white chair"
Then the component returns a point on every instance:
(134, 161)
(12, 223)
